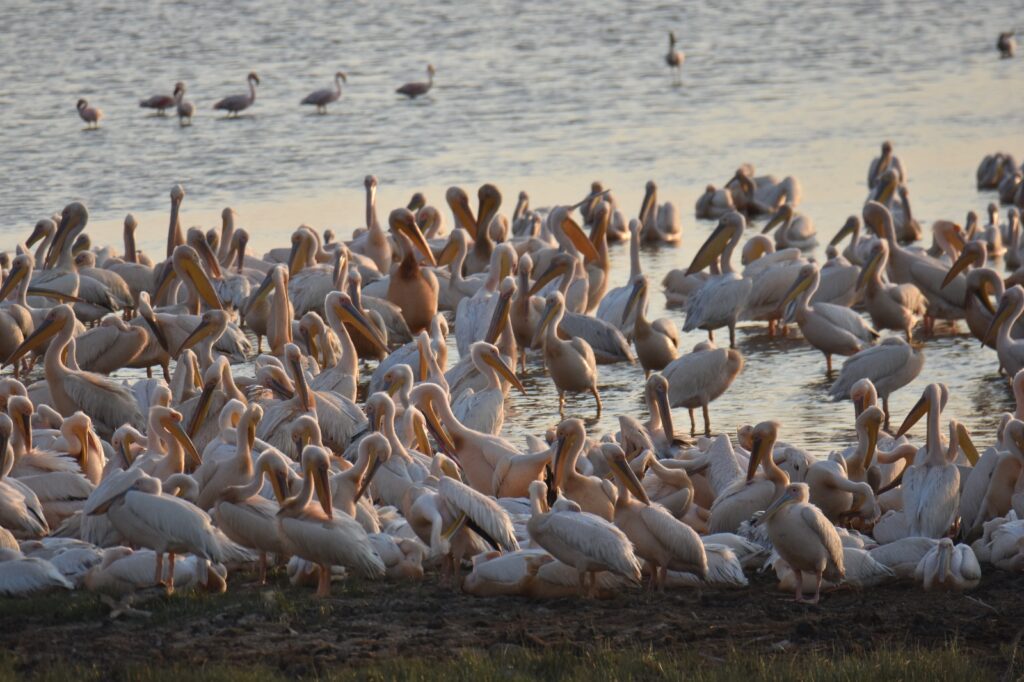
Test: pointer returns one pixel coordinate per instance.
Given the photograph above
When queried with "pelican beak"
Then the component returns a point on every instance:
(278, 482)
(489, 199)
(301, 387)
(956, 238)
(310, 340)
(41, 335)
(634, 296)
(961, 264)
(963, 438)
(408, 227)
(296, 258)
(799, 286)
(437, 429)
(665, 410)
(202, 405)
(505, 371)
(545, 320)
(300, 441)
(454, 528)
(203, 330)
(919, 410)
(323, 489)
(156, 329)
(68, 224)
(15, 276)
(37, 234)
(465, 216)
(352, 316)
(554, 270)
(371, 470)
(845, 230)
(206, 253)
(163, 287)
(420, 433)
(621, 470)
(775, 506)
(448, 253)
(887, 191)
(776, 219)
(173, 426)
(873, 428)
(394, 386)
(868, 271)
(561, 447)
(282, 390)
(202, 284)
(250, 434)
(499, 317)
(1001, 315)
(126, 451)
(57, 296)
(711, 249)
(26, 431)
(261, 291)
(757, 453)
(579, 239)
(647, 205)
(424, 367)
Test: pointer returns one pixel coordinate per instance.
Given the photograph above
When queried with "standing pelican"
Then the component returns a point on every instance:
(161, 103)
(236, 103)
(91, 115)
(412, 288)
(794, 229)
(1010, 350)
(594, 495)
(417, 88)
(830, 328)
(699, 377)
(804, 538)
(657, 342)
(890, 366)
(891, 306)
(484, 410)
(571, 363)
(321, 98)
(724, 296)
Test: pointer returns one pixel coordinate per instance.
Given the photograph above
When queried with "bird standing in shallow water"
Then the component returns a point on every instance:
(90, 115)
(417, 88)
(674, 58)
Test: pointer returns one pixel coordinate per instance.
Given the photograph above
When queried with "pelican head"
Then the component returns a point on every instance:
(863, 394)
(1011, 302)
(211, 324)
(560, 217)
(554, 308)
(763, 439)
(500, 315)
(488, 202)
(561, 264)
(808, 276)
(931, 399)
(200, 241)
(341, 305)
(170, 420)
(974, 253)
(649, 202)
(275, 467)
(458, 242)
(877, 260)
(657, 388)
(431, 70)
(377, 450)
(72, 220)
(850, 227)
(624, 473)
(488, 354)
(305, 430)
(569, 438)
(781, 217)
(43, 228)
(316, 466)
(21, 267)
(251, 418)
(639, 291)
(795, 493)
(185, 263)
(211, 380)
(403, 222)
(870, 421)
(730, 228)
(54, 322)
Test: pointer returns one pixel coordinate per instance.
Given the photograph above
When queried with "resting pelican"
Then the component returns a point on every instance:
(660, 222)
(20, 510)
(830, 328)
(484, 410)
(214, 475)
(886, 161)
(665, 542)
(186, 110)
(891, 306)
(412, 288)
(794, 229)
(416, 88)
(804, 538)
(948, 567)
(724, 296)
(571, 364)
(674, 58)
(108, 403)
(91, 115)
(741, 499)
(476, 312)
(586, 542)
(699, 377)
(838, 496)
(592, 494)
(161, 102)
(316, 534)
(321, 98)
(233, 104)
(657, 342)
(1010, 350)
(890, 366)
(931, 489)
(343, 378)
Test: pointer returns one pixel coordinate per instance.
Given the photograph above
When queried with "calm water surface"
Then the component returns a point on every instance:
(530, 96)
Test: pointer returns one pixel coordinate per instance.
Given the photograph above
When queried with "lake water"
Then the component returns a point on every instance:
(529, 95)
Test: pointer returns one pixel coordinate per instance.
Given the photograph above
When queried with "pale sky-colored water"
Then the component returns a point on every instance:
(528, 96)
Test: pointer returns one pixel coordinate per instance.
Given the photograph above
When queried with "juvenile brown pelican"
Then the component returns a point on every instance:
(412, 288)
(91, 115)
(162, 102)
(321, 98)
(417, 88)
(236, 103)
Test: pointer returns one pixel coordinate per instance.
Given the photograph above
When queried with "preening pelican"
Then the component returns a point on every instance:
(20, 510)
(739, 501)
(592, 494)
(416, 88)
(724, 296)
(699, 377)
(91, 115)
(804, 538)
(321, 98)
(571, 364)
(234, 104)
(586, 542)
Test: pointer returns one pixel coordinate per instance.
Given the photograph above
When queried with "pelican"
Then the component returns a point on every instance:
(91, 115)
(213, 476)
(20, 510)
(1010, 350)
(699, 377)
(804, 538)
(110, 346)
(583, 541)
(475, 313)
(612, 308)
(884, 162)
(108, 403)
(22, 576)
(234, 104)
(858, 250)
(830, 328)
(890, 366)
(161, 102)
(571, 364)
(184, 108)
(891, 306)
(794, 229)
(674, 58)
(740, 500)
(592, 494)
(484, 410)
(660, 223)
(665, 542)
(416, 88)
(343, 378)
(317, 534)
(412, 288)
(167, 446)
(723, 297)
(771, 274)
(657, 342)
(948, 567)
(321, 98)
(837, 495)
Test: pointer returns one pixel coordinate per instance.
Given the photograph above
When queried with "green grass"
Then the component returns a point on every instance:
(575, 666)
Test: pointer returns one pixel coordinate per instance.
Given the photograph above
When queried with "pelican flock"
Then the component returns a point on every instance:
(313, 410)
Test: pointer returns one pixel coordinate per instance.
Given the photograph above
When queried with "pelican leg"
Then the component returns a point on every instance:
(583, 583)
(597, 397)
(817, 588)
(799, 586)
(732, 336)
(149, 372)
(771, 327)
(693, 424)
(158, 578)
(561, 404)
(167, 372)
(263, 568)
(828, 363)
(711, 335)
(707, 419)
(885, 409)
(323, 588)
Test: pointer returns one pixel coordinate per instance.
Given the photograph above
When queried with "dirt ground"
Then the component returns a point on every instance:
(287, 629)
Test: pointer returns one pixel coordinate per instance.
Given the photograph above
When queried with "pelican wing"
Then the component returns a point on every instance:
(107, 402)
(681, 540)
(603, 338)
(21, 577)
(717, 303)
(724, 567)
(99, 342)
(931, 498)
(908, 296)
(177, 523)
(57, 486)
(484, 511)
(589, 535)
(668, 329)
(845, 319)
(826, 532)
(341, 542)
(873, 363)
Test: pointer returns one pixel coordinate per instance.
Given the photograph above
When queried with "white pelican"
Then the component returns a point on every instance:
(660, 222)
(612, 308)
(699, 377)
(804, 538)
(771, 274)
(891, 306)
(586, 542)
(657, 342)
(108, 403)
(414, 89)
(343, 378)
(740, 500)
(316, 534)
(949, 567)
(830, 328)
(886, 161)
(837, 495)
(91, 115)
(321, 98)
(592, 494)
(20, 510)
(571, 364)
(724, 296)
(1009, 349)
(122, 572)
(793, 229)
(475, 313)
(412, 288)
(665, 542)
(213, 476)
(234, 104)
(136, 507)
(484, 410)
(890, 366)
(22, 576)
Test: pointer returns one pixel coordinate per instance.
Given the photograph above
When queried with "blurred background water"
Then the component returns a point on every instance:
(539, 96)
